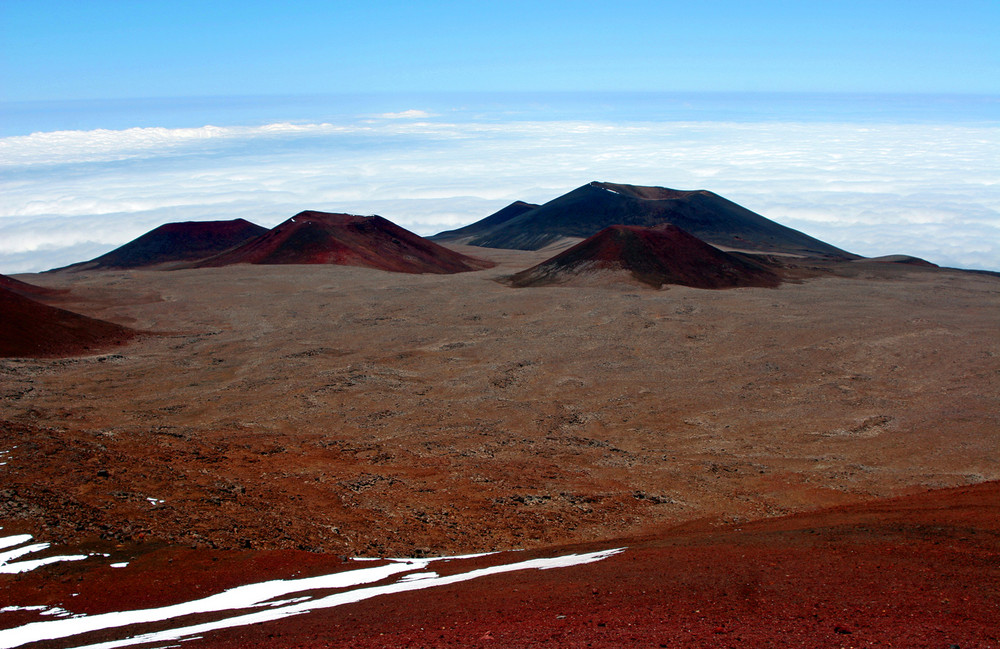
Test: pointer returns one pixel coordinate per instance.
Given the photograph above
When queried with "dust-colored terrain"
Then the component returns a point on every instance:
(361, 412)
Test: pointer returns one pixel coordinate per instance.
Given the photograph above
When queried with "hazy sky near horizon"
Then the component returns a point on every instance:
(67, 49)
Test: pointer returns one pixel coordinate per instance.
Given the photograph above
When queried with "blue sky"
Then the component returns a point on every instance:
(53, 50)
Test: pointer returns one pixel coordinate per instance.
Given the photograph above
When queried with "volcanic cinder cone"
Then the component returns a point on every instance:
(34, 330)
(587, 210)
(656, 256)
(175, 242)
(349, 240)
(906, 260)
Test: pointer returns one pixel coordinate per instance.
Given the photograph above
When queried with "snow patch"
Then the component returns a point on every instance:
(416, 576)
(10, 541)
(282, 602)
(10, 555)
(468, 556)
(238, 598)
(27, 566)
(14, 609)
(264, 594)
(10, 567)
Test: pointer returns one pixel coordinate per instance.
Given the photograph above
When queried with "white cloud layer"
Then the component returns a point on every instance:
(927, 190)
(407, 114)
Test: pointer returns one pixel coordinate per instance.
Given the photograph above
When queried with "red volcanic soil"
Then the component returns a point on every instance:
(660, 255)
(920, 571)
(26, 289)
(35, 330)
(917, 571)
(348, 240)
(175, 242)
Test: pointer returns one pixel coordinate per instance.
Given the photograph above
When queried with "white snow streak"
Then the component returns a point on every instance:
(11, 541)
(264, 594)
(10, 567)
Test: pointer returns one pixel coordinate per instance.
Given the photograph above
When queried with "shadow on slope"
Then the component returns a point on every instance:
(30, 329)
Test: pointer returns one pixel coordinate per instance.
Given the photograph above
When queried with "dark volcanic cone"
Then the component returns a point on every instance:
(655, 256)
(348, 240)
(35, 330)
(589, 209)
(907, 260)
(175, 242)
(461, 235)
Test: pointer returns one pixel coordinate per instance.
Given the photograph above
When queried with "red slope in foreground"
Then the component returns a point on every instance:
(31, 329)
(369, 241)
(664, 254)
(917, 571)
(921, 571)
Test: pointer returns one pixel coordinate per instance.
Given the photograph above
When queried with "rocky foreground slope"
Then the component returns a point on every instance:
(917, 571)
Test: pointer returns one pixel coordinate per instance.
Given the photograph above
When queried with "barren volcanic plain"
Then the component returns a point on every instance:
(355, 412)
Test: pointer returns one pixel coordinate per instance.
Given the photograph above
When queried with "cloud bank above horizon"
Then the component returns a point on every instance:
(928, 190)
